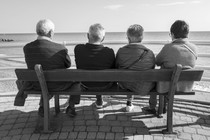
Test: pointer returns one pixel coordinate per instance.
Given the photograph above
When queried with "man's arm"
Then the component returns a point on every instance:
(67, 60)
(160, 57)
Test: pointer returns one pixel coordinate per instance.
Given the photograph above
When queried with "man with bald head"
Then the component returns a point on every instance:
(49, 54)
(95, 56)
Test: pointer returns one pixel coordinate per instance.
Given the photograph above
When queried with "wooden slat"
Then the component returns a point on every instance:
(108, 75)
(191, 75)
(117, 92)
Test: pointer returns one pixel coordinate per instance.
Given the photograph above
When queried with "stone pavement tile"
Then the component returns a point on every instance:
(105, 128)
(198, 137)
(16, 137)
(63, 135)
(68, 123)
(67, 128)
(44, 136)
(15, 132)
(103, 122)
(28, 130)
(131, 130)
(25, 137)
(203, 132)
(82, 135)
(79, 122)
(90, 117)
(142, 131)
(128, 136)
(115, 123)
(80, 128)
(6, 138)
(138, 137)
(119, 136)
(109, 136)
(35, 136)
(73, 135)
(101, 135)
(19, 125)
(117, 129)
(54, 135)
(91, 122)
(206, 127)
(111, 117)
(148, 137)
(92, 128)
(6, 127)
(189, 130)
(183, 135)
(91, 135)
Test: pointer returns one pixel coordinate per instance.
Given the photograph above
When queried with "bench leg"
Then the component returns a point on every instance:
(169, 128)
(46, 116)
(57, 104)
(161, 106)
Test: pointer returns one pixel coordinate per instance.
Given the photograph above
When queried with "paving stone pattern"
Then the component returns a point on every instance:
(191, 121)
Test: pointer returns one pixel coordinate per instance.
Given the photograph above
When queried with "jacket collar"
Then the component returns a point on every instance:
(44, 38)
(180, 40)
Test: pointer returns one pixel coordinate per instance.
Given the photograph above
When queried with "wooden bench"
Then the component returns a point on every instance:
(110, 75)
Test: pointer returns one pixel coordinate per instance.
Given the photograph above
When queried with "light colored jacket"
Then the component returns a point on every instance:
(179, 51)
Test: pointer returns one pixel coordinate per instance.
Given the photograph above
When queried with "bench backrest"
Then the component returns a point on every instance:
(109, 75)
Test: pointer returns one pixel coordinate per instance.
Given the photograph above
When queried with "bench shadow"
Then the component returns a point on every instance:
(188, 115)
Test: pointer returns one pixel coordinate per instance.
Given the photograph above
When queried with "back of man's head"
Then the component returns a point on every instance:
(96, 33)
(179, 29)
(135, 33)
(45, 27)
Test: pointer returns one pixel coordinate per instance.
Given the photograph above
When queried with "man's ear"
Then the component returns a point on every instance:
(50, 34)
(129, 40)
(102, 39)
(88, 36)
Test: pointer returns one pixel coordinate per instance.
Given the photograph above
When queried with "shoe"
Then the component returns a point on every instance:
(99, 104)
(164, 110)
(41, 111)
(150, 110)
(70, 111)
(129, 107)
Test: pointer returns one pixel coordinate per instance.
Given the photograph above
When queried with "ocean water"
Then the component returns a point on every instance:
(115, 40)
(110, 36)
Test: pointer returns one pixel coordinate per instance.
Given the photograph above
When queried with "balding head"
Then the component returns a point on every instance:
(45, 27)
(96, 33)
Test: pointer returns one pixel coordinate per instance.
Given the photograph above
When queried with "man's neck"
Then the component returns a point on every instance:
(44, 38)
(95, 43)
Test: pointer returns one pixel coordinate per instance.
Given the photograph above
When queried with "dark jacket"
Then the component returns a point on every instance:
(51, 56)
(94, 57)
(128, 58)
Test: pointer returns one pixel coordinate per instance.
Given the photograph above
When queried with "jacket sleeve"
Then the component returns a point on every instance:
(67, 60)
(159, 60)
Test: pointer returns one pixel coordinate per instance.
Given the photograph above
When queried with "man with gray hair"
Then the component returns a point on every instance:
(135, 56)
(51, 56)
(94, 56)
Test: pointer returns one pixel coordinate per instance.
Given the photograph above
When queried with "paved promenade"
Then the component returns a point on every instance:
(191, 120)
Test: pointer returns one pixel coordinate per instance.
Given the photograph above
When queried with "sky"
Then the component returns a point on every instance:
(21, 16)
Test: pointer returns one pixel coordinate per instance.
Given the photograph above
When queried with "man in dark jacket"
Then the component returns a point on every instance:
(50, 55)
(94, 56)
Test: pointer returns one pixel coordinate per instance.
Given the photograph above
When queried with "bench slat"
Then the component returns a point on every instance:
(109, 75)
(104, 93)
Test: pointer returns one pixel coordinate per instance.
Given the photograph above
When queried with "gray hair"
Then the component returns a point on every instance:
(44, 26)
(96, 32)
(135, 32)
